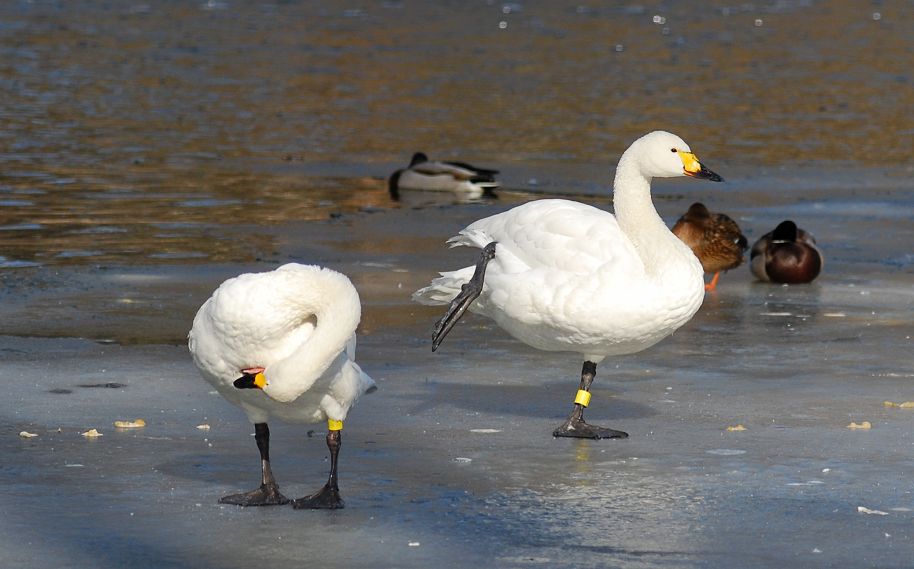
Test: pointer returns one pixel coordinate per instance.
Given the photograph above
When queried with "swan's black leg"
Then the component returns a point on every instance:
(328, 497)
(574, 425)
(268, 493)
(462, 301)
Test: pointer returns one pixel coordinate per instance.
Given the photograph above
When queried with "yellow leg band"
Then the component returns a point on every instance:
(582, 398)
(334, 425)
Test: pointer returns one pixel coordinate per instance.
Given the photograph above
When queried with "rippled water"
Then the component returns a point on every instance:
(170, 131)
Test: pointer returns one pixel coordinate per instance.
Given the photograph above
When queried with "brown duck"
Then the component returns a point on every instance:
(786, 255)
(714, 238)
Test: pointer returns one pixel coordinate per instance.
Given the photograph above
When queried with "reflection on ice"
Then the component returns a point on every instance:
(15, 264)
(851, 208)
(22, 227)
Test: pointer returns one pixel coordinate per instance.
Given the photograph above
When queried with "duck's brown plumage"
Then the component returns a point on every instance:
(714, 238)
(786, 255)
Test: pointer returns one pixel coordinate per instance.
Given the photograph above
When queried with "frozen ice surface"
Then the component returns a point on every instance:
(454, 450)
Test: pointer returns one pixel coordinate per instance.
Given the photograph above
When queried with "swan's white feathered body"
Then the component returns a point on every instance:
(298, 323)
(570, 277)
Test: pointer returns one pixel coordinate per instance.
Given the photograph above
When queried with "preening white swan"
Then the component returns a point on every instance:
(563, 276)
(425, 174)
(282, 344)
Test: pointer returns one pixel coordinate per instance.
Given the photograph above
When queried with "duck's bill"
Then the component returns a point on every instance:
(692, 167)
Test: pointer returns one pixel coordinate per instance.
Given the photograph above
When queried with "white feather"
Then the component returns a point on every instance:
(570, 277)
(298, 322)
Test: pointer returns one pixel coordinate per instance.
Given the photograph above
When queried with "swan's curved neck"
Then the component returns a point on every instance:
(637, 216)
(334, 303)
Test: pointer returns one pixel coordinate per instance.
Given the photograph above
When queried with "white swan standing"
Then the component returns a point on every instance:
(281, 344)
(563, 276)
(434, 175)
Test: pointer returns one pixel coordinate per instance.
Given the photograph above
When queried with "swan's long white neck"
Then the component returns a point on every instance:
(334, 302)
(637, 216)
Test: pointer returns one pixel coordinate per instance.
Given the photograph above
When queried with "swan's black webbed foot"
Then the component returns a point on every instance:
(575, 426)
(468, 293)
(327, 498)
(581, 430)
(266, 495)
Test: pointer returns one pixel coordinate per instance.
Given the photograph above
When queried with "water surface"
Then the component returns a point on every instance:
(147, 133)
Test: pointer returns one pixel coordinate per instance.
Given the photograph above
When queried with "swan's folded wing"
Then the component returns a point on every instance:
(561, 235)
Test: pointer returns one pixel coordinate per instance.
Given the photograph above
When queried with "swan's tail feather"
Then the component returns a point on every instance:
(443, 289)
(470, 238)
(365, 383)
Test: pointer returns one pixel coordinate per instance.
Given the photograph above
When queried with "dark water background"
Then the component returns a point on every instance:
(162, 132)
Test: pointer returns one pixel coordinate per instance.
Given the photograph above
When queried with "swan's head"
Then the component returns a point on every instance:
(664, 155)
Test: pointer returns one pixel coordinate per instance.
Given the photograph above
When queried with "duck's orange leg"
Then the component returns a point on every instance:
(713, 284)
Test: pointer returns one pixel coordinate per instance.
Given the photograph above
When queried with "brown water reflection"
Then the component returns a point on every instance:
(211, 216)
(148, 132)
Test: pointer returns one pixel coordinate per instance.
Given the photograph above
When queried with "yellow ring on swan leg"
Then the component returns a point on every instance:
(582, 398)
(334, 425)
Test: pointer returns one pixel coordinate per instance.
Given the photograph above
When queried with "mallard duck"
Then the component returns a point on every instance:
(458, 177)
(714, 238)
(282, 344)
(786, 255)
(560, 275)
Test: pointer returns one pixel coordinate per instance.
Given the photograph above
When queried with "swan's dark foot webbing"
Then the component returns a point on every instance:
(574, 425)
(468, 293)
(268, 494)
(581, 430)
(328, 497)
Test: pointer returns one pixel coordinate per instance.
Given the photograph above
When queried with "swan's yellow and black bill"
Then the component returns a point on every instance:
(691, 166)
(251, 381)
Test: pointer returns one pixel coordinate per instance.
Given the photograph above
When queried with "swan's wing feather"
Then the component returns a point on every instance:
(559, 235)
(553, 244)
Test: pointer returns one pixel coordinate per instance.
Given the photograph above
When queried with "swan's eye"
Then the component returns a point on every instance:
(673, 150)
